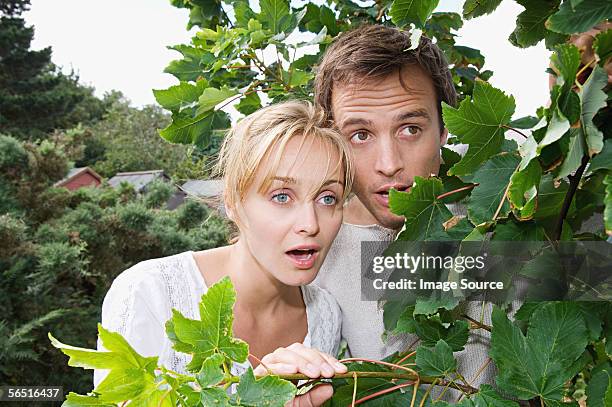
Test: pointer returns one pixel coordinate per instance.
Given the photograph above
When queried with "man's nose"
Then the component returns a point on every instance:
(389, 160)
(307, 222)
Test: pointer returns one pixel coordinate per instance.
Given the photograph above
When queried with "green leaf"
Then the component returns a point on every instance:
(432, 305)
(493, 177)
(526, 122)
(569, 20)
(328, 19)
(593, 98)
(179, 96)
(77, 400)
(539, 364)
(300, 78)
(550, 197)
(211, 97)
(511, 232)
(566, 60)
(249, 104)
(479, 123)
(211, 372)
(603, 160)
(488, 397)
(431, 331)
(424, 213)
(530, 27)
(186, 129)
(405, 12)
(603, 45)
(213, 332)
(608, 209)
(597, 388)
(476, 8)
(558, 126)
(574, 155)
(274, 15)
(523, 190)
(88, 358)
(271, 389)
(437, 361)
(214, 396)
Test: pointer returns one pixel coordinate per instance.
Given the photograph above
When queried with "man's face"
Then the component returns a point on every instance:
(395, 135)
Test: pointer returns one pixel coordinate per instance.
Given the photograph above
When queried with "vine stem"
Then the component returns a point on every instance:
(515, 130)
(399, 362)
(584, 68)
(569, 196)
(426, 394)
(476, 323)
(380, 362)
(501, 203)
(354, 389)
(454, 191)
(478, 373)
(381, 392)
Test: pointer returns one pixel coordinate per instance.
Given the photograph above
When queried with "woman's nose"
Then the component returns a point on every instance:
(307, 221)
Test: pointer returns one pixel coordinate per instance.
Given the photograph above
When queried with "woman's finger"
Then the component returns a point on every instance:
(315, 358)
(275, 368)
(297, 359)
(314, 398)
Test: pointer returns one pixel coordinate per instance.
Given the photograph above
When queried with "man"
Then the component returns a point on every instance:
(386, 99)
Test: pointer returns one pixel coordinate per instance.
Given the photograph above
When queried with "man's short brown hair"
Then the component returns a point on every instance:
(376, 51)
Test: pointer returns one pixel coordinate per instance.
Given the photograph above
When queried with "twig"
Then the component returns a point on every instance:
(477, 323)
(261, 363)
(444, 195)
(426, 394)
(501, 203)
(399, 362)
(515, 130)
(380, 362)
(569, 196)
(584, 68)
(354, 389)
(480, 370)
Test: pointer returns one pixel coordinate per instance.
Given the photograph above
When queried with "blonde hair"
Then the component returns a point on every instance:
(251, 141)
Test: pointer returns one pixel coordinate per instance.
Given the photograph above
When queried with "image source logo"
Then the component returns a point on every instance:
(487, 271)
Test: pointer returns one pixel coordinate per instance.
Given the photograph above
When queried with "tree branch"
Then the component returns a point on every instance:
(477, 323)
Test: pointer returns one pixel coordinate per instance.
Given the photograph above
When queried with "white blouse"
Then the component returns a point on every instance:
(140, 301)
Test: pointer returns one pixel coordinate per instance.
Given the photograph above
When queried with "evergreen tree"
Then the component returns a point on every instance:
(35, 97)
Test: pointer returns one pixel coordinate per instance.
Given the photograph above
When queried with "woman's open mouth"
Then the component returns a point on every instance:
(302, 258)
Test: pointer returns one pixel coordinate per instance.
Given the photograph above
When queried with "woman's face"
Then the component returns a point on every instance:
(289, 227)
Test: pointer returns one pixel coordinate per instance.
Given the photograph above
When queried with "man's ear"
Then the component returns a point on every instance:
(443, 137)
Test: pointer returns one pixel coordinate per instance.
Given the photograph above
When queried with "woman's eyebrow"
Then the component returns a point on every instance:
(285, 180)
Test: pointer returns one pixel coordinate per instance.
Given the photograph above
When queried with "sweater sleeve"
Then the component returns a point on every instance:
(135, 306)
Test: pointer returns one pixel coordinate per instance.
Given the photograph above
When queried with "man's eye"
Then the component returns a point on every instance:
(281, 198)
(411, 131)
(328, 200)
(359, 137)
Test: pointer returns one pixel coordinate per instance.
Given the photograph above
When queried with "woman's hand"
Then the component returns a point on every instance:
(298, 358)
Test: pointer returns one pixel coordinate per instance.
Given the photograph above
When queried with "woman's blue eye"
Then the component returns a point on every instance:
(328, 200)
(281, 198)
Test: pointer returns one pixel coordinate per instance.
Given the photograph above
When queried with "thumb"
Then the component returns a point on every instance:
(314, 398)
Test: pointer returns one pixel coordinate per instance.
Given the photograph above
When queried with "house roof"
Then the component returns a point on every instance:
(75, 172)
(203, 188)
(139, 179)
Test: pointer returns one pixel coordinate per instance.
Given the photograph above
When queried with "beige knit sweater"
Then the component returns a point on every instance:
(362, 321)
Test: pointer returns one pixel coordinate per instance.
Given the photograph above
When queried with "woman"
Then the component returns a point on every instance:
(286, 177)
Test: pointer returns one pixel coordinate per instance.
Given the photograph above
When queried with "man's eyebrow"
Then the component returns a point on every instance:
(351, 121)
(412, 114)
(331, 181)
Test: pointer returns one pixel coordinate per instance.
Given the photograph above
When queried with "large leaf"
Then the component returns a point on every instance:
(523, 190)
(575, 153)
(597, 388)
(475, 8)
(530, 27)
(430, 331)
(271, 389)
(493, 178)
(275, 15)
(479, 122)
(539, 364)
(179, 96)
(603, 160)
(570, 20)
(436, 361)
(608, 203)
(424, 213)
(187, 129)
(593, 98)
(603, 45)
(213, 332)
(404, 12)
(211, 97)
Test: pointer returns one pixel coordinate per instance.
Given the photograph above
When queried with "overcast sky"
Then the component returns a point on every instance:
(121, 44)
